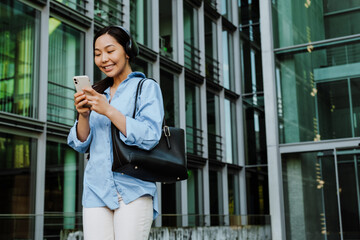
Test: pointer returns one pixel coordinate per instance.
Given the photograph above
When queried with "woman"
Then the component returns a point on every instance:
(116, 206)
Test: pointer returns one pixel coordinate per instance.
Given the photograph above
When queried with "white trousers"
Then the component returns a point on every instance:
(128, 222)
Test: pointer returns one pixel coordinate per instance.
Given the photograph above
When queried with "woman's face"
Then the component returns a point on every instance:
(110, 56)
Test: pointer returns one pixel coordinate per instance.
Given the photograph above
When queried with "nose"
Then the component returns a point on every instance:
(104, 57)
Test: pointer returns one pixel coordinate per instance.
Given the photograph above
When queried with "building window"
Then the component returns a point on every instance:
(294, 25)
(228, 75)
(19, 45)
(212, 69)
(194, 138)
(62, 189)
(226, 9)
(216, 198)
(251, 67)
(257, 192)
(170, 92)
(108, 12)
(213, 123)
(191, 38)
(318, 93)
(140, 21)
(66, 59)
(231, 153)
(167, 31)
(195, 197)
(234, 199)
(17, 184)
(78, 5)
(170, 205)
(254, 130)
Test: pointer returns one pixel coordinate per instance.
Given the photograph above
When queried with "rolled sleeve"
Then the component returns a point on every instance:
(75, 143)
(145, 130)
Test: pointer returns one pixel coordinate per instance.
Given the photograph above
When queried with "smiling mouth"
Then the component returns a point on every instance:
(108, 67)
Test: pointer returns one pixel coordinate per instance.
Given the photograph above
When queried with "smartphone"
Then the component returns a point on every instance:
(80, 83)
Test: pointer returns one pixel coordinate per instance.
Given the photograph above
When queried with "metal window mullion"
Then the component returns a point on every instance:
(351, 108)
(357, 184)
(338, 193)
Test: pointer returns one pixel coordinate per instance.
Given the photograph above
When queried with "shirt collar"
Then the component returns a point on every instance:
(131, 75)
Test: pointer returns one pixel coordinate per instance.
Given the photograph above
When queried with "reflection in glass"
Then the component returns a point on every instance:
(228, 76)
(17, 185)
(108, 12)
(234, 200)
(230, 132)
(212, 67)
(19, 42)
(66, 59)
(140, 21)
(310, 196)
(317, 93)
(62, 193)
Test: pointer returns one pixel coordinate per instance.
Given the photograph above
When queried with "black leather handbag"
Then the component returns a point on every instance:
(166, 162)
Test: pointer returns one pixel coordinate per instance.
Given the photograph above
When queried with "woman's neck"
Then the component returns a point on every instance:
(122, 76)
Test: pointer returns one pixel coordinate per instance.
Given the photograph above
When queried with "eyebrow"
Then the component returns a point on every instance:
(107, 46)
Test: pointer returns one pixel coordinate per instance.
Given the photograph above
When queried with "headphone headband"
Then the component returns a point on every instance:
(131, 47)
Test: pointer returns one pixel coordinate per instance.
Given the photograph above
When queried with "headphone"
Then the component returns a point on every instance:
(131, 47)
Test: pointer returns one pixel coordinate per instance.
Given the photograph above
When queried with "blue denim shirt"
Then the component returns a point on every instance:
(100, 183)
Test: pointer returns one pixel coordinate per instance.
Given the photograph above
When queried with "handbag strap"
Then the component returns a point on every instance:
(138, 92)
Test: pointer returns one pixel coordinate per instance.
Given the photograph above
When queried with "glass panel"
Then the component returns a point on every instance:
(213, 123)
(226, 9)
(355, 100)
(248, 11)
(140, 21)
(78, 5)
(228, 75)
(349, 196)
(193, 127)
(334, 110)
(296, 22)
(108, 12)
(195, 198)
(257, 191)
(310, 101)
(254, 130)
(216, 210)
(168, 85)
(251, 68)
(310, 196)
(230, 132)
(17, 185)
(234, 201)
(212, 68)
(169, 205)
(167, 33)
(19, 41)
(66, 59)
(62, 189)
(191, 38)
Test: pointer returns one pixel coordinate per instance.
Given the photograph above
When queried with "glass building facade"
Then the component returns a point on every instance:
(268, 95)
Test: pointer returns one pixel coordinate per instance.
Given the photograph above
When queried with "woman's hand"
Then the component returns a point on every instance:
(80, 101)
(98, 101)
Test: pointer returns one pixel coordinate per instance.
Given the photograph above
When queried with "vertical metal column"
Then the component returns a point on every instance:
(271, 122)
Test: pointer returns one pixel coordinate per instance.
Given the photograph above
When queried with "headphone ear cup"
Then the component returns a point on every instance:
(132, 49)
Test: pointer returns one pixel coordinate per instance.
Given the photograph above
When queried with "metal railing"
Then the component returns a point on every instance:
(60, 104)
(215, 147)
(192, 57)
(212, 70)
(78, 5)
(194, 141)
(343, 55)
(109, 12)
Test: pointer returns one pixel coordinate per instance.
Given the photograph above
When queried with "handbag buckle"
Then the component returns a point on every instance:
(167, 131)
